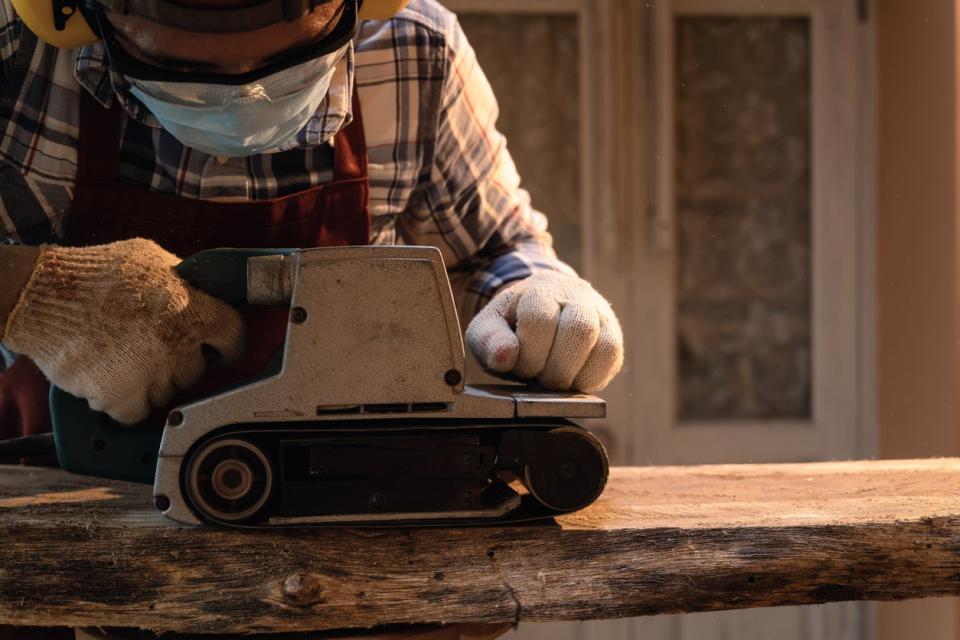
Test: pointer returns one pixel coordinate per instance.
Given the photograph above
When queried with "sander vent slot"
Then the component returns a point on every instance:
(337, 409)
(429, 407)
(397, 407)
(388, 407)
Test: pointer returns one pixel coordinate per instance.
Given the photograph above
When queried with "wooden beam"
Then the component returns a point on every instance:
(79, 552)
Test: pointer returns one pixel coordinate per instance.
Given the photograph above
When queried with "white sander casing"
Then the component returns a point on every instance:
(367, 418)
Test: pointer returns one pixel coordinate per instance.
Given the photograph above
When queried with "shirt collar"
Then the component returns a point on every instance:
(335, 112)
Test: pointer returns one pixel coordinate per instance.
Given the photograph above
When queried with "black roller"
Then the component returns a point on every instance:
(567, 470)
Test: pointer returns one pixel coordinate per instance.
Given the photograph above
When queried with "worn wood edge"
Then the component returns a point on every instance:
(283, 583)
(142, 571)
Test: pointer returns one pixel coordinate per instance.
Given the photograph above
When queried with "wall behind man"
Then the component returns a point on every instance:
(917, 257)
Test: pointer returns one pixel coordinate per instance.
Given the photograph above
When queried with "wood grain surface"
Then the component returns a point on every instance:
(80, 552)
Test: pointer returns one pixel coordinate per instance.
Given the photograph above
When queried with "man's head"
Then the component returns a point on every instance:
(228, 53)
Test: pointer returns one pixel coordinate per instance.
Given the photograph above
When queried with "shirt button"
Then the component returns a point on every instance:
(222, 160)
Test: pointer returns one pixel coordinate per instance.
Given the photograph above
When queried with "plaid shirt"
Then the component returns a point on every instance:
(440, 172)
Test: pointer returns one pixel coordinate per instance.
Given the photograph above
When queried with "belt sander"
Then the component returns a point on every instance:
(362, 417)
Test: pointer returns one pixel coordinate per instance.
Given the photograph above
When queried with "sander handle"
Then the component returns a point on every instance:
(91, 443)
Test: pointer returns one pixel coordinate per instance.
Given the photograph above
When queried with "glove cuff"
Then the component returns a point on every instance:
(56, 299)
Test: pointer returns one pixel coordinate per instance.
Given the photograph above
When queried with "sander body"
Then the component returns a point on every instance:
(363, 416)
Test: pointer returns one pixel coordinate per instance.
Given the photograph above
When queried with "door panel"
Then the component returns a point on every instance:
(751, 352)
(742, 183)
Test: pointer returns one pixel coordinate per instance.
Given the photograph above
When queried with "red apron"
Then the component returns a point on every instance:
(105, 210)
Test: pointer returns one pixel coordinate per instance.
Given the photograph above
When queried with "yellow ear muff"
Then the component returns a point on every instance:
(38, 16)
(380, 9)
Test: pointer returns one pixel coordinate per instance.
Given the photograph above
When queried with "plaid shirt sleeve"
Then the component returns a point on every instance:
(10, 27)
(493, 235)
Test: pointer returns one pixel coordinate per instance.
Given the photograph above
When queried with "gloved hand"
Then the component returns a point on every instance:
(114, 324)
(553, 327)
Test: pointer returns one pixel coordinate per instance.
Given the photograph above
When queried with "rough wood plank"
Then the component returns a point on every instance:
(78, 551)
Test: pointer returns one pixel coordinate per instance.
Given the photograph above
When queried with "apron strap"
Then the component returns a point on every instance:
(98, 155)
(350, 146)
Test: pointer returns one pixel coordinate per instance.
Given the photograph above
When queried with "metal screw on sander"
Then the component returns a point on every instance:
(453, 377)
(175, 419)
(298, 315)
(162, 503)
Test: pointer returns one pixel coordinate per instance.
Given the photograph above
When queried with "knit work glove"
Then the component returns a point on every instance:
(552, 327)
(114, 324)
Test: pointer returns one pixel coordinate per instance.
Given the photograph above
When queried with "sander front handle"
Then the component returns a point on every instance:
(241, 276)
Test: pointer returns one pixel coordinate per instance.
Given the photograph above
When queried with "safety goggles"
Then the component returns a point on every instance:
(121, 61)
(255, 15)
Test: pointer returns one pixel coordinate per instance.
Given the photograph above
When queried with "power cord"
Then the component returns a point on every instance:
(27, 446)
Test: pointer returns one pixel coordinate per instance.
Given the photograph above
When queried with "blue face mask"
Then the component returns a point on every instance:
(241, 120)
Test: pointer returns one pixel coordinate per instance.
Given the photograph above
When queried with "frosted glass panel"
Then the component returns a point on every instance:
(743, 217)
(533, 63)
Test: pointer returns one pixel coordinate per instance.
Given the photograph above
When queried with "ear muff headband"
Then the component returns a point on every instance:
(61, 23)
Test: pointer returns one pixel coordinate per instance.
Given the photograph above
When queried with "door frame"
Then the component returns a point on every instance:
(843, 422)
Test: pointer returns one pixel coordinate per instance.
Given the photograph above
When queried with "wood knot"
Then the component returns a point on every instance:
(303, 588)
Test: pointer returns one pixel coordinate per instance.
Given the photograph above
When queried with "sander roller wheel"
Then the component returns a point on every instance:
(230, 480)
(569, 471)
